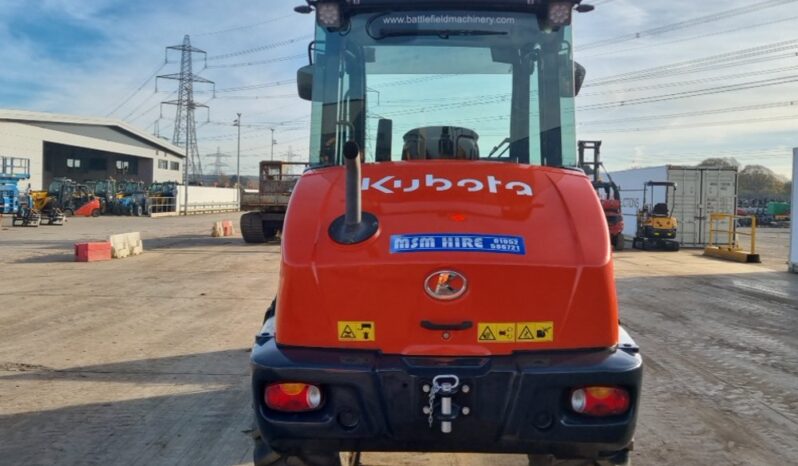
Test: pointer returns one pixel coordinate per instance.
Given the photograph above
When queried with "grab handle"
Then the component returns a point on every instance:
(464, 325)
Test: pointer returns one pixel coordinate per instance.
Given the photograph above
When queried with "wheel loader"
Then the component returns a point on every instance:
(435, 297)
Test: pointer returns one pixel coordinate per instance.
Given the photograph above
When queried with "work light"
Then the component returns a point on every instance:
(328, 14)
(560, 13)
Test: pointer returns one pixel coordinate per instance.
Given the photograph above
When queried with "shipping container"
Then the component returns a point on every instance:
(794, 216)
(699, 193)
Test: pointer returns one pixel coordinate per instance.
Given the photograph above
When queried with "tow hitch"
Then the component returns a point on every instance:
(444, 387)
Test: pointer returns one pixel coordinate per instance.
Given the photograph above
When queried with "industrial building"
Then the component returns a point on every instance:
(85, 148)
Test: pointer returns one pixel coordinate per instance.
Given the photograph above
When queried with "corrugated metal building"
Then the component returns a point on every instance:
(699, 193)
(84, 148)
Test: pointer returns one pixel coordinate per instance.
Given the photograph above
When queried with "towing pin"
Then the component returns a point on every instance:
(446, 410)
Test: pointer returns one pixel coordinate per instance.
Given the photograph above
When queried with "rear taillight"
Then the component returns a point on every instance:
(600, 401)
(292, 397)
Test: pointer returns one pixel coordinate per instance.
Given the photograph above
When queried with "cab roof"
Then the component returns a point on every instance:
(499, 5)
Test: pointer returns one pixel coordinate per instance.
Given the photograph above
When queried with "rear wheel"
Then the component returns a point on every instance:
(95, 213)
(620, 459)
(265, 456)
(252, 228)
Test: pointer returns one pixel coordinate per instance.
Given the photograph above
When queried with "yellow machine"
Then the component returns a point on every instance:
(656, 225)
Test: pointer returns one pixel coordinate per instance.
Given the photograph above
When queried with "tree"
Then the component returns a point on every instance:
(720, 162)
(758, 182)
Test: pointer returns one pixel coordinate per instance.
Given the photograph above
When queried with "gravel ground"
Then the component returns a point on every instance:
(143, 361)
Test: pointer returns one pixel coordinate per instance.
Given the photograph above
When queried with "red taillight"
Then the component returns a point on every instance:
(600, 401)
(292, 397)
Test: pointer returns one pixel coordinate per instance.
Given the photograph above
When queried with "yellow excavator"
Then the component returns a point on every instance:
(656, 224)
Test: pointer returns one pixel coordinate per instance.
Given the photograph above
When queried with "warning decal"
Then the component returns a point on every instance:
(496, 333)
(516, 332)
(537, 332)
(357, 331)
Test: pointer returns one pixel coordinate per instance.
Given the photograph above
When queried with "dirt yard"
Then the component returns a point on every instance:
(144, 361)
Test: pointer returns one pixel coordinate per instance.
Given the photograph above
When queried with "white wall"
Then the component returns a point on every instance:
(794, 216)
(205, 199)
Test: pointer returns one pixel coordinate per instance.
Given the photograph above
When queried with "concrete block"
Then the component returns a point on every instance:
(125, 245)
(217, 231)
(92, 252)
(135, 244)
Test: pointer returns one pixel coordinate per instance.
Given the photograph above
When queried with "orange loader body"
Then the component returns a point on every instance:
(565, 277)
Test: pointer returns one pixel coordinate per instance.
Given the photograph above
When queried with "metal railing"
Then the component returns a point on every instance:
(15, 167)
(731, 233)
(161, 205)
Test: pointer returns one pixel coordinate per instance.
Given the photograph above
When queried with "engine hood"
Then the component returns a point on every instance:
(526, 249)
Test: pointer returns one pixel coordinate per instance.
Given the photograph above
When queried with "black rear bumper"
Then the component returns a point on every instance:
(375, 402)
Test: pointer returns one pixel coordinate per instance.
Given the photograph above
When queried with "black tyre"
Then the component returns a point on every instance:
(138, 210)
(270, 229)
(95, 213)
(252, 228)
(265, 456)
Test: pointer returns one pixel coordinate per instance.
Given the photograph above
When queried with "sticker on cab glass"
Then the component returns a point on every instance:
(515, 332)
(497, 244)
(357, 331)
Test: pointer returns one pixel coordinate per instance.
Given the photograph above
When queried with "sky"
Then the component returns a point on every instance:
(668, 82)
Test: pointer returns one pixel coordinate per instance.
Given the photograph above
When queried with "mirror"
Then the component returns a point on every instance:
(580, 72)
(304, 82)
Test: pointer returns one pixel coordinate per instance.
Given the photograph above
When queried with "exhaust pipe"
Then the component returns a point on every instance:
(355, 226)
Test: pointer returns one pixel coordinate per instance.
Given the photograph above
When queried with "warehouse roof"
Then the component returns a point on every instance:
(22, 116)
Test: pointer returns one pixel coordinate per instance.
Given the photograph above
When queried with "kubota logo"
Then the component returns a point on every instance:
(446, 285)
(392, 185)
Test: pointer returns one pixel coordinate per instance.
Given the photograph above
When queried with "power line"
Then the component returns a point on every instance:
(747, 9)
(710, 79)
(694, 93)
(698, 125)
(745, 108)
(243, 27)
(143, 85)
(258, 62)
(700, 63)
(748, 27)
(261, 48)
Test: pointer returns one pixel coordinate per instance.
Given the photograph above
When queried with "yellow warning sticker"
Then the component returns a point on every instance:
(357, 331)
(512, 332)
(496, 332)
(535, 332)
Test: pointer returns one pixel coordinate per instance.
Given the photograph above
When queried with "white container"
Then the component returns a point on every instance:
(794, 229)
(699, 193)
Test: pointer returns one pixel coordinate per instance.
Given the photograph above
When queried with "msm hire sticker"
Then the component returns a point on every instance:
(357, 331)
(515, 332)
(496, 244)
